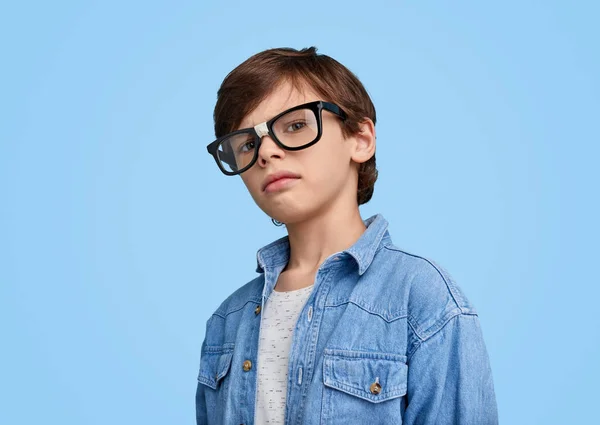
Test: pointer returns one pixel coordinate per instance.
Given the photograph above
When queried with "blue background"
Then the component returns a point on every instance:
(119, 236)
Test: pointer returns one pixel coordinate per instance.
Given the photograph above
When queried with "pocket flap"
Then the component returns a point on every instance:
(214, 364)
(355, 372)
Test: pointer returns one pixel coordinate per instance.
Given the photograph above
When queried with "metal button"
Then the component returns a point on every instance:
(375, 388)
(247, 365)
(257, 310)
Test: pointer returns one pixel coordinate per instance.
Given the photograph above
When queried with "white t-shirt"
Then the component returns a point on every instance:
(280, 314)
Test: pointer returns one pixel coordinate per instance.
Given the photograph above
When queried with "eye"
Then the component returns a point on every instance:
(295, 126)
(247, 146)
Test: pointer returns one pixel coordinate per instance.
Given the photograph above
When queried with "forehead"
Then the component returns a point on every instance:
(283, 97)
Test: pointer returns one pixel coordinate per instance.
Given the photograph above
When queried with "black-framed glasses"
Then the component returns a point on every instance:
(294, 129)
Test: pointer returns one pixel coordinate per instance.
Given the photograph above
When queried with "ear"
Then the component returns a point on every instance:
(364, 146)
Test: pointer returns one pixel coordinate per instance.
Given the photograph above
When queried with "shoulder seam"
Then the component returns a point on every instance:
(437, 331)
(452, 294)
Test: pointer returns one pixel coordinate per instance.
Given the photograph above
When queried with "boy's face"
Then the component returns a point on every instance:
(328, 176)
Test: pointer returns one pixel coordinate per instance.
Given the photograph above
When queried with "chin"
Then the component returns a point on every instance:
(289, 215)
(291, 207)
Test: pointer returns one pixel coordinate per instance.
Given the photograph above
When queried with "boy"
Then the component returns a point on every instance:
(341, 326)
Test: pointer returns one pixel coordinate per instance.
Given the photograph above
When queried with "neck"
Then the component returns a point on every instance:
(315, 239)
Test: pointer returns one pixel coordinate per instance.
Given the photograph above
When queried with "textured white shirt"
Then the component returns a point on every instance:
(279, 317)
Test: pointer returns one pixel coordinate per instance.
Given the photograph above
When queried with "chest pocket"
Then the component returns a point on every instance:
(215, 363)
(363, 386)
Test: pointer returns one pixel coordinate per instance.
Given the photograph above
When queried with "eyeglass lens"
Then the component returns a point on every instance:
(294, 129)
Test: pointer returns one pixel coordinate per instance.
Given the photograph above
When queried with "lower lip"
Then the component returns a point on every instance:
(280, 184)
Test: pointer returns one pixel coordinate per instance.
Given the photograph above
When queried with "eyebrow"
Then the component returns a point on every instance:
(277, 113)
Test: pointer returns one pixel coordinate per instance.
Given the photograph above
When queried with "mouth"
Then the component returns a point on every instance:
(277, 179)
(280, 183)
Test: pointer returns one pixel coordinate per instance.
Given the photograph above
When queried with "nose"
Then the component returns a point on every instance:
(269, 150)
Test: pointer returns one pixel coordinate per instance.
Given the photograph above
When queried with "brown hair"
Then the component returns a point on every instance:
(254, 79)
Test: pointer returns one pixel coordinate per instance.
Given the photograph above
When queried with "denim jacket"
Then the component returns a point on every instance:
(386, 337)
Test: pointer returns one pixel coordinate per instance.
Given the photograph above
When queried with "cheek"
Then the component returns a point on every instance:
(330, 161)
(251, 182)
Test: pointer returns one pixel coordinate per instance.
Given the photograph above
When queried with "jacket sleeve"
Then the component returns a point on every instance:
(201, 412)
(450, 379)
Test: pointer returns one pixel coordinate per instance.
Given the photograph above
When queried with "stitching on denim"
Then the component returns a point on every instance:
(219, 349)
(438, 331)
(454, 296)
(234, 309)
(392, 393)
(365, 308)
(361, 354)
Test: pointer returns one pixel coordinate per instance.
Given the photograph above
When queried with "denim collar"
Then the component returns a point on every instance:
(276, 254)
